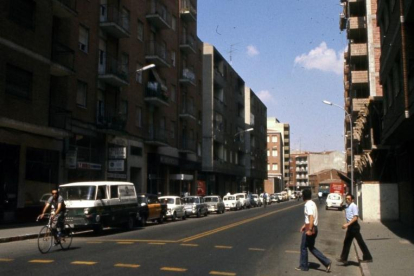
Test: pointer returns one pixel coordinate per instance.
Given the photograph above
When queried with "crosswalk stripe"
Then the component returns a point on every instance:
(127, 265)
(176, 269)
(223, 247)
(83, 263)
(222, 273)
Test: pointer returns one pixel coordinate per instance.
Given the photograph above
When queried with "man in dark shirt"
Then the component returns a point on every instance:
(58, 210)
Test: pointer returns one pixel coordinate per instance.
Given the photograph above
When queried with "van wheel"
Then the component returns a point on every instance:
(97, 229)
(130, 224)
(174, 216)
(143, 221)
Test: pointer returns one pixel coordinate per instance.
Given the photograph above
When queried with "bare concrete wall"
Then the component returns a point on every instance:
(378, 201)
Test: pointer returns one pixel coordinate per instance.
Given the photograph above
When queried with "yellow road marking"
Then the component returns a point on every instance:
(292, 251)
(157, 243)
(207, 233)
(222, 273)
(146, 241)
(125, 243)
(256, 249)
(83, 263)
(189, 244)
(223, 247)
(176, 269)
(42, 261)
(127, 265)
(6, 260)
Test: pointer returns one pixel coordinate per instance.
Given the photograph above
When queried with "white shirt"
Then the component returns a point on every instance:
(310, 209)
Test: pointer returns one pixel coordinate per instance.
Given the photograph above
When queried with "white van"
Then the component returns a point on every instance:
(100, 204)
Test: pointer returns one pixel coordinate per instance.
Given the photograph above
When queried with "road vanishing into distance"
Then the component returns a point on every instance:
(257, 241)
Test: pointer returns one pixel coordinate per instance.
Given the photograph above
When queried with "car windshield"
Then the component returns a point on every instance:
(230, 198)
(167, 200)
(334, 197)
(254, 196)
(211, 199)
(191, 200)
(78, 192)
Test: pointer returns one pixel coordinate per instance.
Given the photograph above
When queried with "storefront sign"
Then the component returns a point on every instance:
(201, 188)
(116, 165)
(71, 157)
(117, 153)
(89, 166)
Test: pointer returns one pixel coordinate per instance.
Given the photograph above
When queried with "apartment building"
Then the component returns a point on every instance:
(283, 128)
(226, 158)
(299, 167)
(395, 20)
(274, 182)
(73, 107)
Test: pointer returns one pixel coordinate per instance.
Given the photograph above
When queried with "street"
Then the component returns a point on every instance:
(258, 241)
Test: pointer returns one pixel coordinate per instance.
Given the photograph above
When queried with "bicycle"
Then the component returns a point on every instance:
(46, 237)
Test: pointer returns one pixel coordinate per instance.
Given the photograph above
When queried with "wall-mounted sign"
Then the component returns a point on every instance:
(71, 157)
(117, 175)
(89, 166)
(116, 165)
(117, 153)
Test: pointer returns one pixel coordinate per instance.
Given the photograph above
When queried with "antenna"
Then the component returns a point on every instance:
(232, 50)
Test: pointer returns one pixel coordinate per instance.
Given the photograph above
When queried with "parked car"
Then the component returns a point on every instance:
(231, 203)
(242, 197)
(268, 200)
(253, 198)
(44, 198)
(275, 198)
(293, 196)
(195, 206)
(150, 209)
(100, 204)
(175, 207)
(215, 204)
(334, 200)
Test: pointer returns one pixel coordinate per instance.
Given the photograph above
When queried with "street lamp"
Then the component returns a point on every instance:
(352, 138)
(146, 67)
(246, 130)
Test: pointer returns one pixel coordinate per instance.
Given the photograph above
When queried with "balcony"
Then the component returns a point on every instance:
(188, 12)
(187, 146)
(359, 79)
(359, 104)
(155, 95)
(218, 105)
(62, 60)
(188, 44)
(219, 78)
(114, 22)
(342, 21)
(158, 15)
(112, 122)
(156, 136)
(356, 28)
(157, 54)
(64, 8)
(356, 6)
(187, 111)
(113, 72)
(60, 118)
(188, 77)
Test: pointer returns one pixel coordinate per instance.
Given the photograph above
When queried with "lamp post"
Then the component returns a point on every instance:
(352, 138)
(146, 67)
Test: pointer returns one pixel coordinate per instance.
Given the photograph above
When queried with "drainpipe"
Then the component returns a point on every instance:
(404, 60)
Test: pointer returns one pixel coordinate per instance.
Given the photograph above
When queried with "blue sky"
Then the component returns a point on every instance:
(290, 53)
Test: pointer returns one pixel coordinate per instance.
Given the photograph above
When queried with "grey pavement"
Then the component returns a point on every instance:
(391, 243)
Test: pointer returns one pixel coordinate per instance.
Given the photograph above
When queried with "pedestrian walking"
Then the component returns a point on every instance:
(309, 233)
(353, 231)
(320, 195)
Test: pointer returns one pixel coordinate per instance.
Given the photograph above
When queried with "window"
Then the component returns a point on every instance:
(114, 191)
(138, 75)
(125, 64)
(19, 82)
(83, 39)
(125, 19)
(140, 30)
(22, 12)
(268, 152)
(274, 152)
(173, 58)
(123, 109)
(81, 94)
(268, 166)
(173, 23)
(173, 93)
(274, 139)
(138, 117)
(275, 167)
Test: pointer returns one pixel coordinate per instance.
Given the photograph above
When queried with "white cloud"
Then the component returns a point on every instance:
(322, 58)
(266, 97)
(252, 51)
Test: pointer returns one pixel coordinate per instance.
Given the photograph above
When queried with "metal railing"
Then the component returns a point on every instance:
(111, 14)
(63, 55)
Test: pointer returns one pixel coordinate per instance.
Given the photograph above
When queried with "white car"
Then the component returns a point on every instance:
(175, 207)
(334, 200)
(242, 197)
(231, 203)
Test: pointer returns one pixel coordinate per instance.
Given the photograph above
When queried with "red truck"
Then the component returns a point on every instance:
(338, 188)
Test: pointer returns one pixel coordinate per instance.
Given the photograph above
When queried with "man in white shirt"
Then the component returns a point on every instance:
(309, 232)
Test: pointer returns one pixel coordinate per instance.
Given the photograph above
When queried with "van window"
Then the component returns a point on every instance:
(78, 192)
(126, 191)
(114, 191)
(101, 194)
(177, 201)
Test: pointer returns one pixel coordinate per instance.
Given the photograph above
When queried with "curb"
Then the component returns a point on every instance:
(363, 266)
(19, 238)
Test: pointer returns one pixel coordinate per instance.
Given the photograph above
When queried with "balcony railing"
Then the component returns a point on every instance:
(157, 53)
(111, 121)
(156, 136)
(158, 15)
(60, 118)
(359, 104)
(62, 60)
(187, 111)
(355, 25)
(155, 95)
(188, 145)
(358, 49)
(64, 8)
(114, 22)
(188, 44)
(219, 78)
(188, 76)
(112, 71)
(359, 77)
(188, 11)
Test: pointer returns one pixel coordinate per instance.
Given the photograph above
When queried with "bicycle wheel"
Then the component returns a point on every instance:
(66, 237)
(44, 240)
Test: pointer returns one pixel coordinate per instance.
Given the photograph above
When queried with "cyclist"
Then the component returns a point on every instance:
(58, 216)
(265, 199)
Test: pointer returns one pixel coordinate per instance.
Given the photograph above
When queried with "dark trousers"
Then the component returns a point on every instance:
(308, 242)
(354, 232)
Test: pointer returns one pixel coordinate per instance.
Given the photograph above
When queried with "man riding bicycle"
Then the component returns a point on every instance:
(58, 216)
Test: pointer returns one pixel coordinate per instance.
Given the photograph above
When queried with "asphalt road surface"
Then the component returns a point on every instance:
(257, 241)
